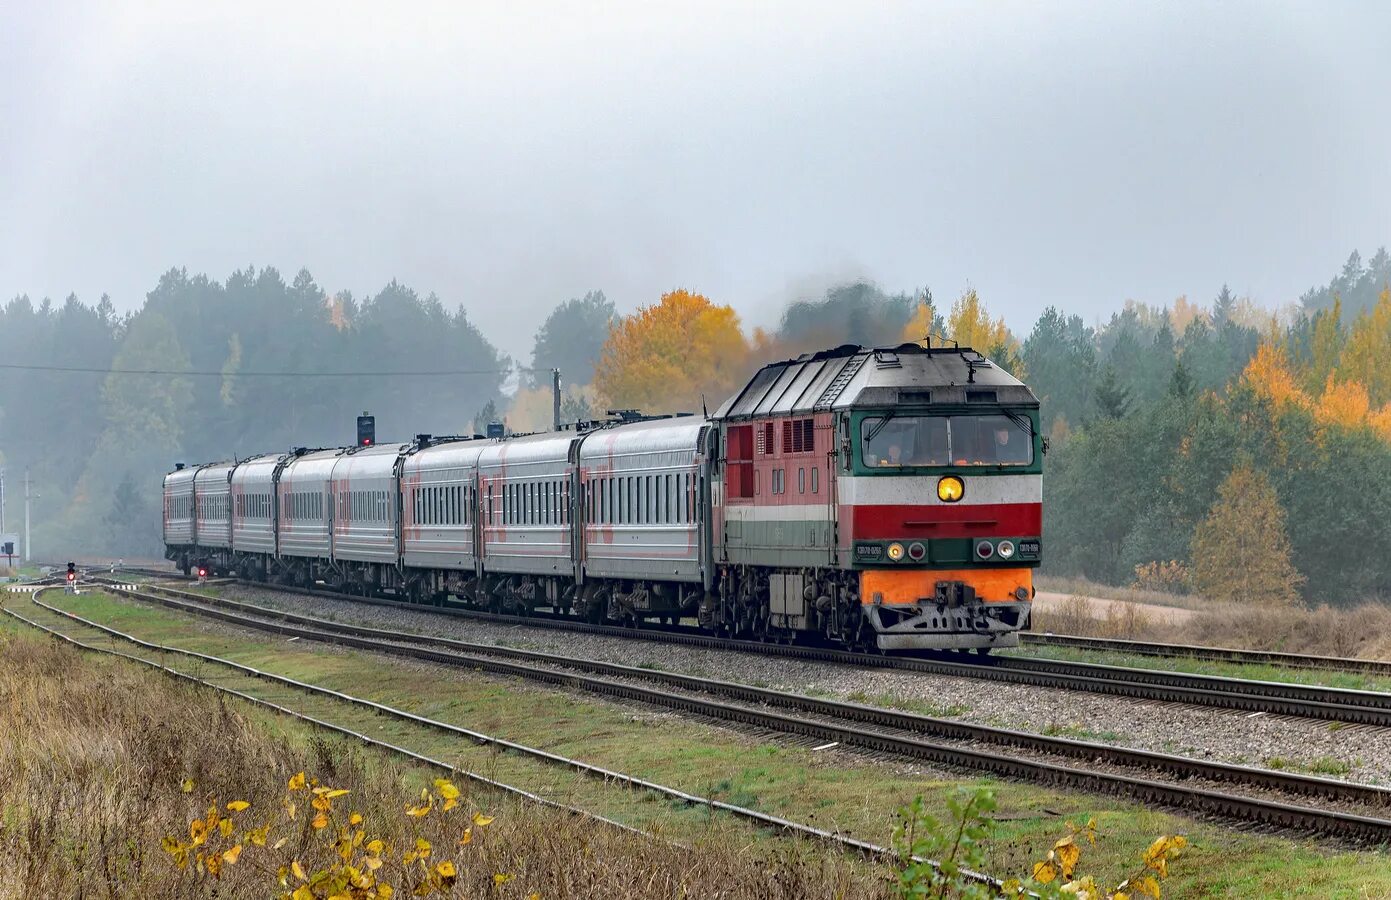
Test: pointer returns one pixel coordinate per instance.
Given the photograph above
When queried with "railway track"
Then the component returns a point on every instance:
(1213, 654)
(605, 776)
(1372, 708)
(1194, 786)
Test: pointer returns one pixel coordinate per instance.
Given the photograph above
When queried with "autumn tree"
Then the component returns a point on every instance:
(1365, 358)
(970, 325)
(670, 355)
(1241, 552)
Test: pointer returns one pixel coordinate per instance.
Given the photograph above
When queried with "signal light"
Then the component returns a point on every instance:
(72, 572)
(202, 572)
(366, 430)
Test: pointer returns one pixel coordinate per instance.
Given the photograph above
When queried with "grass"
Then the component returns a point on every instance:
(90, 785)
(826, 789)
(1323, 765)
(908, 704)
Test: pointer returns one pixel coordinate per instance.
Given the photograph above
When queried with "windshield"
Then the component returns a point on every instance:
(992, 440)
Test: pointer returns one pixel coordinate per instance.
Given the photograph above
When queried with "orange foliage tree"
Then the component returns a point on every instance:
(669, 355)
(970, 325)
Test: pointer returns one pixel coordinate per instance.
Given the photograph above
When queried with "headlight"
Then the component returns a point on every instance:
(895, 552)
(950, 489)
(916, 551)
(1005, 549)
(985, 550)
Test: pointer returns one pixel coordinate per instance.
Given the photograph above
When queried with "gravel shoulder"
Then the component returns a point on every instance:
(1351, 752)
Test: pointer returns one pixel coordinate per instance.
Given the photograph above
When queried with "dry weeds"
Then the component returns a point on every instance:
(93, 753)
(1361, 631)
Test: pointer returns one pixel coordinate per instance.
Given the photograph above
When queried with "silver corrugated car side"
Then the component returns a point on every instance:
(212, 493)
(365, 495)
(525, 486)
(439, 506)
(253, 504)
(304, 504)
(642, 508)
(178, 507)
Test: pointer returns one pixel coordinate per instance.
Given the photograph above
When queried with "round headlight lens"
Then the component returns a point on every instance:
(895, 552)
(916, 551)
(1005, 549)
(985, 550)
(950, 489)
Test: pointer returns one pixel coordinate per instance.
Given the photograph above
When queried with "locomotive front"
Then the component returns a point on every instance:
(940, 498)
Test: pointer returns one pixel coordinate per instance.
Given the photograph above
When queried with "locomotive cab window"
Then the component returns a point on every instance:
(982, 440)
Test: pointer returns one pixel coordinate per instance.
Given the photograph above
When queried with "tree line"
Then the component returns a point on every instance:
(1220, 447)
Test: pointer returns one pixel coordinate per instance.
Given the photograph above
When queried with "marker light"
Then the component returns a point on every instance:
(950, 489)
(1005, 549)
(895, 552)
(916, 551)
(985, 550)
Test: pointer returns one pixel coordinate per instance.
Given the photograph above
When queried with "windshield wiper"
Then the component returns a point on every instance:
(869, 438)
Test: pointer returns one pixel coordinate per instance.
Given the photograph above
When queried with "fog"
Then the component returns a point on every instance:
(509, 156)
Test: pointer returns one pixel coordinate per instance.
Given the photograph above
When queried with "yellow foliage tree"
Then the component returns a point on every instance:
(1241, 552)
(1268, 374)
(1326, 346)
(920, 325)
(667, 356)
(1365, 357)
(970, 325)
(1183, 314)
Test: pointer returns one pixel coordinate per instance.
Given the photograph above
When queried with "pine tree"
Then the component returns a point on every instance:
(1112, 398)
(1241, 553)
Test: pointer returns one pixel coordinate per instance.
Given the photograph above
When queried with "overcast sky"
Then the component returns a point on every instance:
(511, 155)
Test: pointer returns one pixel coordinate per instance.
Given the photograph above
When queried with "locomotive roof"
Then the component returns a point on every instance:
(854, 376)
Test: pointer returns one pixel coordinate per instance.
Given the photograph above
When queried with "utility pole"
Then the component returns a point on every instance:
(27, 555)
(2, 501)
(555, 399)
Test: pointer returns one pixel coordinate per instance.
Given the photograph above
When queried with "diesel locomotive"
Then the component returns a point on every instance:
(877, 498)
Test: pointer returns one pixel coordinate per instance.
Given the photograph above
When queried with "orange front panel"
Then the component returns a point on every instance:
(911, 585)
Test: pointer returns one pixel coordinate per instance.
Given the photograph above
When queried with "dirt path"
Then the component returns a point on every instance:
(1051, 601)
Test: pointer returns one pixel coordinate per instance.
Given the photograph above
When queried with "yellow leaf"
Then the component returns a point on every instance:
(1149, 886)
(322, 803)
(1068, 854)
(258, 836)
(238, 805)
(384, 890)
(197, 831)
(187, 786)
(230, 857)
(225, 826)
(450, 803)
(418, 811)
(372, 863)
(320, 820)
(447, 790)
(298, 870)
(467, 838)
(481, 820)
(214, 864)
(302, 893)
(502, 879)
(297, 782)
(337, 793)
(375, 846)
(355, 819)
(280, 843)
(1120, 895)
(1045, 871)
(422, 847)
(445, 869)
(534, 895)
(290, 808)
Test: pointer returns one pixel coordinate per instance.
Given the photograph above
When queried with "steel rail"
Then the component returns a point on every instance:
(903, 740)
(1213, 654)
(761, 819)
(1269, 697)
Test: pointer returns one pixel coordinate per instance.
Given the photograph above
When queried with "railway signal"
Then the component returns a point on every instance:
(72, 578)
(366, 430)
(202, 574)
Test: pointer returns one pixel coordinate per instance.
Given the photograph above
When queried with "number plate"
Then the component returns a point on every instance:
(869, 551)
(1029, 548)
